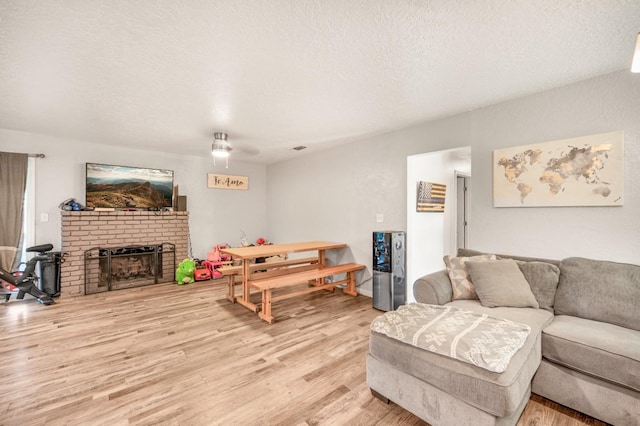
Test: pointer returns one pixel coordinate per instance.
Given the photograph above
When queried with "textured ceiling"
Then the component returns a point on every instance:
(167, 74)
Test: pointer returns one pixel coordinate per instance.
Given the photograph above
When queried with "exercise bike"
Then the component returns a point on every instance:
(27, 280)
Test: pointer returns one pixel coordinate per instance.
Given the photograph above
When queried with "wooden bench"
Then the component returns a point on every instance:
(271, 267)
(266, 285)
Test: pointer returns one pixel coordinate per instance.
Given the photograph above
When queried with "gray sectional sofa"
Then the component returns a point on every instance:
(583, 350)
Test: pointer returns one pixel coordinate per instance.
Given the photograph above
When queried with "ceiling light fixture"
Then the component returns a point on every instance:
(220, 148)
(635, 65)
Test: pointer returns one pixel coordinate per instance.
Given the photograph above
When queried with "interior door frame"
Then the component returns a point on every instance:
(466, 178)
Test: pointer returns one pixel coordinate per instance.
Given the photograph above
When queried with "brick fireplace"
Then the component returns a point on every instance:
(85, 230)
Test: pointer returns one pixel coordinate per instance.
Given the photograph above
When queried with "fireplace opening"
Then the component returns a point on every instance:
(116, 268)
(128, 265)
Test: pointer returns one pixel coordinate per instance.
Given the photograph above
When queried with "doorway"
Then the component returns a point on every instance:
(462, 210)
(432, 235)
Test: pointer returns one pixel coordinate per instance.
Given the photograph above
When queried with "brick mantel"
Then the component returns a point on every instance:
(84, 230)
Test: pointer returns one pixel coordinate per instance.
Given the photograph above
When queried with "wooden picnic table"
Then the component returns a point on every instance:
(287, 275)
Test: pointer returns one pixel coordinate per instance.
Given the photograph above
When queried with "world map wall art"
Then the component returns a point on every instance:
(584, 171)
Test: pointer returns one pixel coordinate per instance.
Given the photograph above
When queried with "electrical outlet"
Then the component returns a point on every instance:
(379, 217)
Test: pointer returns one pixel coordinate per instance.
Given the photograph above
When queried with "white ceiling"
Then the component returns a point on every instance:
(166, 74)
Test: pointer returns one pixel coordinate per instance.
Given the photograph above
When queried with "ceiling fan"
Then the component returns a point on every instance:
(221, 148)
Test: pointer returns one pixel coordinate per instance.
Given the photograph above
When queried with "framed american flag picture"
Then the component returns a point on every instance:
(430, 197)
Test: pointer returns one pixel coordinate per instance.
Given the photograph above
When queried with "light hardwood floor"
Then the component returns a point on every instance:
(184, 355)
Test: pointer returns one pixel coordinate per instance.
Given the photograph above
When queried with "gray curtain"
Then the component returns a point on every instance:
(13, 180)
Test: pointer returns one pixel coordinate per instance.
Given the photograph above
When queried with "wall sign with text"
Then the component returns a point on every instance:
(227, 181)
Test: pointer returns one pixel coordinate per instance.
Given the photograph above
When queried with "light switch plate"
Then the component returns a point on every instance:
(44, 217)
(379, 217)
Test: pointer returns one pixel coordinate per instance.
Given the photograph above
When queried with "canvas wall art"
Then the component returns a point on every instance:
(584, 171)
(122, 187)
(430, 197)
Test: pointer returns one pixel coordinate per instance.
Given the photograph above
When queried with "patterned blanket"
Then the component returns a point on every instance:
(478, 339)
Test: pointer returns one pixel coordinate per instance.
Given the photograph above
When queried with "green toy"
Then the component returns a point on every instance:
(184, 273)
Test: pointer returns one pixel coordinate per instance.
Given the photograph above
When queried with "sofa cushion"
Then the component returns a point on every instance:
(459, 275)
(501, 283)
(481, 340)
(600, 291)
(603, 350)
(543, 280)
(537, 319)
(495, 393)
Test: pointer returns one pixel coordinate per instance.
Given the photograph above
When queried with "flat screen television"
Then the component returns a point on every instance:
(122, 187)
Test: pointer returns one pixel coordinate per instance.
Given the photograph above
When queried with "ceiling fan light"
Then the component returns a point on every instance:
(635, 66)
(220, 153)
(220, 147)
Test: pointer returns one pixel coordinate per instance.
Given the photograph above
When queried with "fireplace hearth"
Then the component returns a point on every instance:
(115, 268)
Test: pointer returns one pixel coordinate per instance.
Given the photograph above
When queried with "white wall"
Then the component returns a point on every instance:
(432, 235)
(335, 194)
(215, 215)
(603, 104)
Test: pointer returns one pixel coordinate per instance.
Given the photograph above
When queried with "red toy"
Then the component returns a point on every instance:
(202, 274)
(211, 267)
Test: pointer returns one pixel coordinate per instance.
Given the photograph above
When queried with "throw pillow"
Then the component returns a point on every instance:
(543, 279)
(500, 283)
(461, 284)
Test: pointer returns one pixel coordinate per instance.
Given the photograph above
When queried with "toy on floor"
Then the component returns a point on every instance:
(212, 268)
(216, 259)
(202, 274)
(185, 271)
(215, 255)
